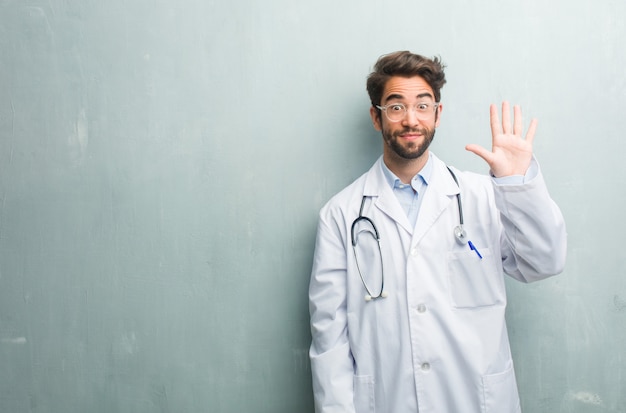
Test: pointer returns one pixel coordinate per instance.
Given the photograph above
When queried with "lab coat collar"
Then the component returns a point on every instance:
(441, 191)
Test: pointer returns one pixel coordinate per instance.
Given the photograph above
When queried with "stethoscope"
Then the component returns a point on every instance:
(459, 233)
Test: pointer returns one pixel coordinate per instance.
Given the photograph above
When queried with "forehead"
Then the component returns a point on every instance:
(406, 88)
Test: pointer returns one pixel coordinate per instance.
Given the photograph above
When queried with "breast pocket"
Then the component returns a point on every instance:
(475, 282)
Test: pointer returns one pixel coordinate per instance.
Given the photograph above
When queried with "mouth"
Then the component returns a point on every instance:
(411, 136)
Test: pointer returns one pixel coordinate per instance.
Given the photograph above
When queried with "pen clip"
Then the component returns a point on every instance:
(472, 247)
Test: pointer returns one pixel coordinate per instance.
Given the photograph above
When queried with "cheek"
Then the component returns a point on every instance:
(392, 128)
(388, 127)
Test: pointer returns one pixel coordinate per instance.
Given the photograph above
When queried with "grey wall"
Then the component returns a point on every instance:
(162, 164)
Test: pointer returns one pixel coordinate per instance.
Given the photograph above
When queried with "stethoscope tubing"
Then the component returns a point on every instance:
(459, 233)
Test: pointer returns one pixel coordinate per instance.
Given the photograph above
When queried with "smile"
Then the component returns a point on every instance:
(411, 136)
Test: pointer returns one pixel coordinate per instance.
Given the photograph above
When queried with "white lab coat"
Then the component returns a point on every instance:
(438, 343)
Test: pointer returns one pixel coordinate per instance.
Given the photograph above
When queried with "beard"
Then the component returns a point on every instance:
(412, 150)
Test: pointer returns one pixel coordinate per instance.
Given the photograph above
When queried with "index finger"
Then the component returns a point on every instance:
(496, 126)
(530, 135)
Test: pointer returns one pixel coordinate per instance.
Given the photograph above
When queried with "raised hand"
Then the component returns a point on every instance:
(510, 153)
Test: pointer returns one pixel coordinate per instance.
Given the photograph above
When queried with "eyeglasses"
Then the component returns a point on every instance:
(395, 112)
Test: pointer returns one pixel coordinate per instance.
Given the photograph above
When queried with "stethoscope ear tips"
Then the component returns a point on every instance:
(460, 235)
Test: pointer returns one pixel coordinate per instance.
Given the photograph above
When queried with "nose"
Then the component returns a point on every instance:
(410, 117)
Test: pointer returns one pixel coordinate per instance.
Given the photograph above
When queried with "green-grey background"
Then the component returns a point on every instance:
(162, 164)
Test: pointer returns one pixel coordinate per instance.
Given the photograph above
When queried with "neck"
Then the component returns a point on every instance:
(405, 169)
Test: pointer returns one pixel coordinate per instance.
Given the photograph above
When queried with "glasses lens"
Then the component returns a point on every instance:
(423, 110)
(396, 112)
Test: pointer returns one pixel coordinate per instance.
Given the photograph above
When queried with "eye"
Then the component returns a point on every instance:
(423, 107)
(395, 107)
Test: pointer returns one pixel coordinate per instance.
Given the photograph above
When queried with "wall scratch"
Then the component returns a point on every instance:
(12, 131)
(14, 340)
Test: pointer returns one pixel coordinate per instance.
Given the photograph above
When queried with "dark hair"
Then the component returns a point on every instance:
(405, 64)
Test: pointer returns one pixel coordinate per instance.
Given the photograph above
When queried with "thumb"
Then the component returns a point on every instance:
(480, 151)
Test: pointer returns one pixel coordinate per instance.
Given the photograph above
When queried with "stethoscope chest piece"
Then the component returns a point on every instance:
(460, 234)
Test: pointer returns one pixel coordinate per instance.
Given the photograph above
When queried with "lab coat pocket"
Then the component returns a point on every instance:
(364, 394)
(475, 281)
(500, 393)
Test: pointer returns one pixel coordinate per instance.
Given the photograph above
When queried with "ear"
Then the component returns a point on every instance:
(375, 114)
(438, 115)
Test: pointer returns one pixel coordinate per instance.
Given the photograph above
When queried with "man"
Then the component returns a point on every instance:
(407, 296)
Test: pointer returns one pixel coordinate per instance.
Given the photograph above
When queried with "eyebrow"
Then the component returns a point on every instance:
(399, 97)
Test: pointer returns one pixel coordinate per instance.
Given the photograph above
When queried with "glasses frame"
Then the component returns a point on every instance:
(419, 115)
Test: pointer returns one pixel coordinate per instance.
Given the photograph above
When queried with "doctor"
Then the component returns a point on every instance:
(407, 296)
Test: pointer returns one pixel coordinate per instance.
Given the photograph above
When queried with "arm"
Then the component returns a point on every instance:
(534, 240)
(331, 359)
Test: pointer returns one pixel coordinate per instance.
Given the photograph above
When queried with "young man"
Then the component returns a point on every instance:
(407, 296)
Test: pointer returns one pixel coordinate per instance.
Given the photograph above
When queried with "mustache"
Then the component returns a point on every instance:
(421, 131)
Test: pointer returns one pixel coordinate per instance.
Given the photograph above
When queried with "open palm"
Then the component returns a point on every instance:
(510, 153)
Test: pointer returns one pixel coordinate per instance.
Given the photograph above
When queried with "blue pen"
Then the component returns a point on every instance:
(472, 247)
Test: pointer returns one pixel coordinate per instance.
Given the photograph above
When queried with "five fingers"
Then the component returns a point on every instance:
(498, 128)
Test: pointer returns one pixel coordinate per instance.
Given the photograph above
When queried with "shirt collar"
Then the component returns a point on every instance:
(422, 177)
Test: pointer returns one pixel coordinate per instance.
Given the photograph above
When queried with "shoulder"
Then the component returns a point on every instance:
(352, 193)
(342, 200)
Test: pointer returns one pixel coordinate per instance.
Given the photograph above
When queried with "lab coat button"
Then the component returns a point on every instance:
(421, 308)
(414, 252)
(425, 367)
